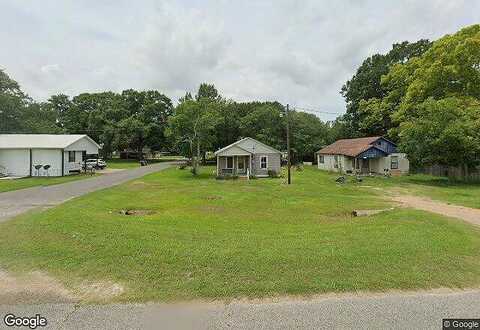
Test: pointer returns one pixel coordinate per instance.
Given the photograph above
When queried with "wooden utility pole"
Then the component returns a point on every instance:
(289, 163)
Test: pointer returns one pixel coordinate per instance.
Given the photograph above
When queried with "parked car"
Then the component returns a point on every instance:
(97, 163)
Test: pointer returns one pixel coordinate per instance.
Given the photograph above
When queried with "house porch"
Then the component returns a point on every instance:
(234, 165)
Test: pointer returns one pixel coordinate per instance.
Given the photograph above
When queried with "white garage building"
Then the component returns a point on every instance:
(22, 154)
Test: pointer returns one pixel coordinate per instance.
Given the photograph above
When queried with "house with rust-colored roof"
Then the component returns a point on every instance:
(366, 155)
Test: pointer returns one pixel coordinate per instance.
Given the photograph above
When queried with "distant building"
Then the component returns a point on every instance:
(248, 157)
(44, 154)
(363, 155)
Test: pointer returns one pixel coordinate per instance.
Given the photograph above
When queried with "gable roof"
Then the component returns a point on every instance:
(351, 147)
(41, 141)
(251, 146)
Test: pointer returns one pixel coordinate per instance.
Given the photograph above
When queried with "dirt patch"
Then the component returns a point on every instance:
(136, 212)
(212, 198)
(98, 291)
(39, 288)
(468, 214)
(366, 213)
(35, 287)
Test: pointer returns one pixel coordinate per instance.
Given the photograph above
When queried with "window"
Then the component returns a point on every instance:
(263, 162)
(394, 162)
(321, 159)
(229, 162)
(335, 161)
(71, 156)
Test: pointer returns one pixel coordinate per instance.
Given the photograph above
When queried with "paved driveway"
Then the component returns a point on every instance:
(383, 311)
(15, 202)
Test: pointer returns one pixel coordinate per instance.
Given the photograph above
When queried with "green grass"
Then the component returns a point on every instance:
(15, 184)
(117, 163)
(438, 188)
(214, 239)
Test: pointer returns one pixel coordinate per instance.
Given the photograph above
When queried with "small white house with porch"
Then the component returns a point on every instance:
(248, 157)
(24, 155)
(369, 155)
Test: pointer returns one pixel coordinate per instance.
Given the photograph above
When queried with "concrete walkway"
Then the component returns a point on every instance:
(421, 310)
(15, 202)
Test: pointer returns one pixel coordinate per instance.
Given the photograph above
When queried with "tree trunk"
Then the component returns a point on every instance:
(197, 161)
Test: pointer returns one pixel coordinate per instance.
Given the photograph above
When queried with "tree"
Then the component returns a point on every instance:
(207, 91)
(193, 123)
(450, 68)
(308, 135)
(363, 93)
(444, 132)
(12, 103)
(264, 122)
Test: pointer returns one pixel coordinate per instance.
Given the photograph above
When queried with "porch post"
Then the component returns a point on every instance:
(250, 164)
(218, 164)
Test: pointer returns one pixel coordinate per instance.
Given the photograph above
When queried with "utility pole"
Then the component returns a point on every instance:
(289, 163)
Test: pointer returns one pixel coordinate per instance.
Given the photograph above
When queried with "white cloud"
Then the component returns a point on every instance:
(300, 53)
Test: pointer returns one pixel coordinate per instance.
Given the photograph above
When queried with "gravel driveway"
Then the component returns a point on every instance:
(15, 202)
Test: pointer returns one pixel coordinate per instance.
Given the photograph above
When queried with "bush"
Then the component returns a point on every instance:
(227, 177)
(273, 174)
(182, 166)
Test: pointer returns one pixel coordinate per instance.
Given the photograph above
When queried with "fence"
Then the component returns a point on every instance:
(451, 172)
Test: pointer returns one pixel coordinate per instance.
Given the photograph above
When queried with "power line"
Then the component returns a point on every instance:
(318, 111)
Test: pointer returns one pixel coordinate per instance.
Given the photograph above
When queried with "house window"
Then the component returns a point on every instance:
(321, 159)
(71, 156)
(229, 162)
(263, 162)
(335, 161)
(394, 162)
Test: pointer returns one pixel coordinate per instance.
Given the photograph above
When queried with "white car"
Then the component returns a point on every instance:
(96, 163)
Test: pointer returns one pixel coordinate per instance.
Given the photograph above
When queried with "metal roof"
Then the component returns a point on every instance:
(350, 147)
(250, 145)
(40, 141)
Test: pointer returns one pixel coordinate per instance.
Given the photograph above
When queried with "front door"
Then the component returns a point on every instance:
(365, 166)
(241, 165)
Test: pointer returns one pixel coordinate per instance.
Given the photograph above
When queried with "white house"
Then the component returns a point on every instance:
(44, 154)
(248, 157)
(363, 155)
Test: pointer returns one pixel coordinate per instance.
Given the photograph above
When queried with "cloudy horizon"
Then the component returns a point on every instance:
(259, 50)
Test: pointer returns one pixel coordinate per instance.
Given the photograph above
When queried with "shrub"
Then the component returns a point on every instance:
(273, 174)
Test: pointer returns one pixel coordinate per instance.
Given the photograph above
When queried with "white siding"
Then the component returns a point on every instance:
(16, 161)
(377, 165)
(74, 166)
(344, 163)
(83, 144)
(52, 157)
(233, 151)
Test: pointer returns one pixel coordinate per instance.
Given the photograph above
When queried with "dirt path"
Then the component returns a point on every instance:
(426, 204)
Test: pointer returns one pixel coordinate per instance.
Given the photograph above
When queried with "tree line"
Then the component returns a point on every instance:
(134, 120)
(423, 95)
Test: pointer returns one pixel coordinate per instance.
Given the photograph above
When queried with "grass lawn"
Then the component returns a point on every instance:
(439, 188)
(117, 163)
(210, 239)
(15, 184)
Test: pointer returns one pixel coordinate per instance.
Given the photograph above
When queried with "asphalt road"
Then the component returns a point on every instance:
(386, 311)
(15, 202)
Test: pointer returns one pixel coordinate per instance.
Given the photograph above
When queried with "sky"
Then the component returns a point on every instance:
(295, 52)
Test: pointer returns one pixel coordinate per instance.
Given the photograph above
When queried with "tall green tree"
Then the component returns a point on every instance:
(193, 124)
(365, 114)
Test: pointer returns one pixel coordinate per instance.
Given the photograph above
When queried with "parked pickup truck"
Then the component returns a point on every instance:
(96, 163)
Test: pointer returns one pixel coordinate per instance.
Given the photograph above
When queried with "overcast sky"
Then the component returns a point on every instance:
(297, 52)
